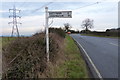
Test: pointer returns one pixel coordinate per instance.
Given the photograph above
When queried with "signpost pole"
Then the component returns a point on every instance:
(47, 33)
(53, 14)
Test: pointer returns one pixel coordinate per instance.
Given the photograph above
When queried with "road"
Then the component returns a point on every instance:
(102, 51)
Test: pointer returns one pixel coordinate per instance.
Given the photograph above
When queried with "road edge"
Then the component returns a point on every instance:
(91, 69)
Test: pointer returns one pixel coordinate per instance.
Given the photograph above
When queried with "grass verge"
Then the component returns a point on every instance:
(100, 36)
(74, 66)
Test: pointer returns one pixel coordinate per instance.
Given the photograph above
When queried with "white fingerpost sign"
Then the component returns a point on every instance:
(47, 33)
(60, 14)
(53, 14)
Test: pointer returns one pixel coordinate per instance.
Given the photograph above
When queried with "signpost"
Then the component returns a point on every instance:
(47, 31)
(53, 14)
(60, 14)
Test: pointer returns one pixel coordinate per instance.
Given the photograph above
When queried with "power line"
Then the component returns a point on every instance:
(51, 22)
(52, 2)
(23, 3)
(90, 5)
(87, 5)
(34, 10)
(42, 6)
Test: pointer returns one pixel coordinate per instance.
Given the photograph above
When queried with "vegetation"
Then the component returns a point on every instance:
(6, 40)
(87, 23)
(0, 40)
(74, 65)
(108, 33)
(0, 57)
(58, 31)
(100, 36)
(67, 27)
(26, 57)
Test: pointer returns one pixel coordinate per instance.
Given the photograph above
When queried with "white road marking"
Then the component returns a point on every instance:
(97, 71)
(114, 44)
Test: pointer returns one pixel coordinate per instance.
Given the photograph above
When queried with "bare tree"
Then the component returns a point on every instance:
(67, 27)
(87, 24)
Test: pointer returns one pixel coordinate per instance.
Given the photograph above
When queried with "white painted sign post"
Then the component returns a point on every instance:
(60, 14)
(47, 31)
(53, 14)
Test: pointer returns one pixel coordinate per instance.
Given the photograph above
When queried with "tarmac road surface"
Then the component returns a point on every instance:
(103, 53)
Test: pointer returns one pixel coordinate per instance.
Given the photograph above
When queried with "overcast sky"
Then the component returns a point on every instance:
(104, 14)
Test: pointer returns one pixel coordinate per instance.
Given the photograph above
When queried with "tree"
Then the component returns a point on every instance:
(87, 23)
(107, 30)
(67, 27)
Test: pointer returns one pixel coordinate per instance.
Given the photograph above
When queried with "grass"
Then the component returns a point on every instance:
(100, 36)
(5, 40)
(0, 41)
(74, 66)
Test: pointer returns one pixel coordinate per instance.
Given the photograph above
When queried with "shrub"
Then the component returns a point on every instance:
(31, 62)
(58, 31)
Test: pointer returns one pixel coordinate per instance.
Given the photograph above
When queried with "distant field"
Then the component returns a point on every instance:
(5, 40)
(100, 36)
(0, 41)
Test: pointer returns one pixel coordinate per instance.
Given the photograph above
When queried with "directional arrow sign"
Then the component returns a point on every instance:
(60, 14)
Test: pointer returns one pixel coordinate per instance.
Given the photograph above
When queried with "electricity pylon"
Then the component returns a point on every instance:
(14, 22)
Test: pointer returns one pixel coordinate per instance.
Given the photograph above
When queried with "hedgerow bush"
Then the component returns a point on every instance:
(58, 31)
(31, 59)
